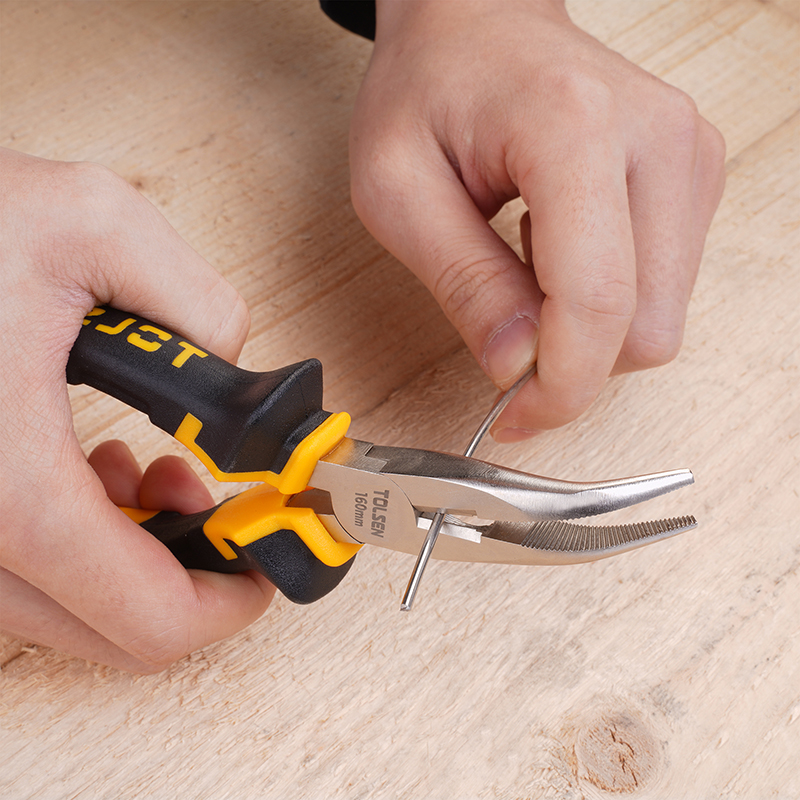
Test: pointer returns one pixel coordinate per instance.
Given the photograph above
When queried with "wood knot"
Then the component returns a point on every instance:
(617, 752)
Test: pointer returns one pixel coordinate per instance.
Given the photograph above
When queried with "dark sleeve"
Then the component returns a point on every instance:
(357, 16)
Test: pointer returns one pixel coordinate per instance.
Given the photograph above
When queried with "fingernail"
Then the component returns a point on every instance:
(511, 350)
(511, 435)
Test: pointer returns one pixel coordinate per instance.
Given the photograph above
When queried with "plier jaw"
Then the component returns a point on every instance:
(387, 496)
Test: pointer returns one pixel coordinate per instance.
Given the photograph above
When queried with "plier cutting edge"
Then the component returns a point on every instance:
(322, 495)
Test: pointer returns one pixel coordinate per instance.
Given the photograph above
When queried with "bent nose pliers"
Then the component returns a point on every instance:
(322, 495)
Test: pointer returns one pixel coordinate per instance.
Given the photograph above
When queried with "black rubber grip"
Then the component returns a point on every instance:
(282, 556)
(251, 421)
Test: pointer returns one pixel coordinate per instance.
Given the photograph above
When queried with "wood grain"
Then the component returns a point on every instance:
(673, 671)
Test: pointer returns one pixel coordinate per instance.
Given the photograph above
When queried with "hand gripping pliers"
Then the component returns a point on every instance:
(321, 495)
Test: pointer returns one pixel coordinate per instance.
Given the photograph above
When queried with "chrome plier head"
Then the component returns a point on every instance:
(387, 496)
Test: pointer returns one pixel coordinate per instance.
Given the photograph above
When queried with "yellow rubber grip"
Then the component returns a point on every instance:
(261, 511)
(294, 477)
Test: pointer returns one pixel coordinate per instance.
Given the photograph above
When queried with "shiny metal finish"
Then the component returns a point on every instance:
(538, 544)
(468, 486)
(387, 496)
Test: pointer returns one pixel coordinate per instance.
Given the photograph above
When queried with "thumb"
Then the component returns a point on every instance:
(427, 219)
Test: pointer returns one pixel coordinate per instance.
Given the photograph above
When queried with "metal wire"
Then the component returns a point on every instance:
(438, 517)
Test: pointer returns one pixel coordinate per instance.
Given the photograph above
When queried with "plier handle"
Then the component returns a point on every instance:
(323, 495)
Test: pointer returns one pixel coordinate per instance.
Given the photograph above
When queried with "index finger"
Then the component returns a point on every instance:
(581, 244)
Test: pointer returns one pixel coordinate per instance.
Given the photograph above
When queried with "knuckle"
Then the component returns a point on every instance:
(159, 639)
(654, 347)
(570, 408)
(713, 143)
(712, 150)
(238, 319)
(94, 187)
(229, 307)
(460, 286)
(234, 323)
(683, 111)
(564, 403)
(679, 118)
(363, 191)
(605, 303)
(380, 177)
(158, 649)
(88, 174)
(91, 201)
(588, 99)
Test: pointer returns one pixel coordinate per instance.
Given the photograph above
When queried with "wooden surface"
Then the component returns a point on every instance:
(673, 671)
